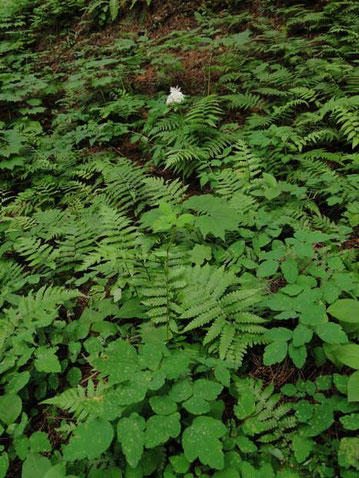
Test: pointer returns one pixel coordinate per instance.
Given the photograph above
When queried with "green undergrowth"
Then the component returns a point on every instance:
(159, 262)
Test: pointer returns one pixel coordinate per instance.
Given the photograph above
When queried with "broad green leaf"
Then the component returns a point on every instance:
(159, 429)
(35, 465)
(163, 405)
(302, 335)
(219, 218)
(298, 355)
(80, 446)
(278, 334)
(180, 463)
(304, 411)
(331, 333)
(10, 408)
(196, 406)
(39, 443)
(289, 389)
(200, 254)
(118, 361)
(130, 433)
(207, 389)
(181, 391)
(275, 353)
(202, 440)
(4, 464)
(47, 360)
(347, 354)
(312, 314)
(353, 387)
(57, 471)
(302, 448)
(245, 444)
(290, 270)
(246, 405)
(131, 309)
(350, 422)
(320, 421)
(267, 268)
(222, 374)
(345, 310)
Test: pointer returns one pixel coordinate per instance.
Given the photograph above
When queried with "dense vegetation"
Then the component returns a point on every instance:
(179, 282)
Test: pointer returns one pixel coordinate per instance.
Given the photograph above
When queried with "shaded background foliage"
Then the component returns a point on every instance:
(179, 283)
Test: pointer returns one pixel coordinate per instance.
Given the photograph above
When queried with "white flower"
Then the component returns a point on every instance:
(175, 96)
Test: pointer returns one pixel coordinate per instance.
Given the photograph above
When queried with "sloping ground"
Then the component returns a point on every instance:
(179, 283)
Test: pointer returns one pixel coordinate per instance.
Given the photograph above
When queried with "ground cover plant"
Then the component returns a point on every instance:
(178, 274)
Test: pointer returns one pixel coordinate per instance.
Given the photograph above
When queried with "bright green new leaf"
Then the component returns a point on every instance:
(39, 443)
(345, 310)
(201, 253)
(47, 360)
(35, 465)
(347, 354)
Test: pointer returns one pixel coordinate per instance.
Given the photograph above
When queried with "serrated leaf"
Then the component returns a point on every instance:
(331, 333)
